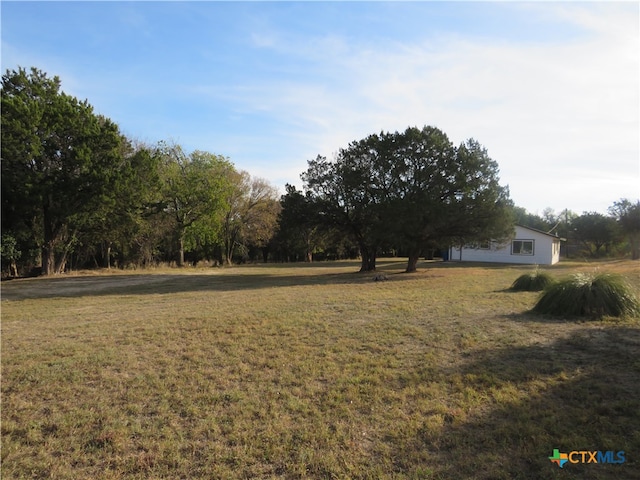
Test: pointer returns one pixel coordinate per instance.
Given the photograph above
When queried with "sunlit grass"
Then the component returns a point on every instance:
(294, 371)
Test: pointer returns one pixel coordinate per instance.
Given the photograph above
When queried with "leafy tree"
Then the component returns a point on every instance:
(136, 214)
(122, 216)
(482, 209)
(412, 189)
(250, 214)
(550, 221)
(595, 231)
(59, 161)
(261, 225)
(195, 191)
(346, 198)
(10, 253)
(445, 194)
(531, 220)
(298, 226)
(563, 221)
(627, 214)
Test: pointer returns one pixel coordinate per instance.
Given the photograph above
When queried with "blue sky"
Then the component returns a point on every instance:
(550, 89)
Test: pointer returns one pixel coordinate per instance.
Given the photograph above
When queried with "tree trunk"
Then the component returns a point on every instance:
(55, 235)
(309, 249)
(61, 263)
(634, 241)
(107, 259)
(368, 258)
(230, 235)
(228, 253)
(48, 258)
(181, 251)
(67, 241)
(50, 264)
(412, 263)
(230, 241)
(48, 246)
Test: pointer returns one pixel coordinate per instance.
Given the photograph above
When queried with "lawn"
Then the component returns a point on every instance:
(311, 371)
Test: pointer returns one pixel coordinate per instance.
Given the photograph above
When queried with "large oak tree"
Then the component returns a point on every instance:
(59, 162)
(412, 189)
(347, 197)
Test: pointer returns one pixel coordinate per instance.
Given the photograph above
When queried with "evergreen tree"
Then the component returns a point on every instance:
(59, 162)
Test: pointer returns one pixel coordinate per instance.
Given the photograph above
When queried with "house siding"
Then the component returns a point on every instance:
(546, 250)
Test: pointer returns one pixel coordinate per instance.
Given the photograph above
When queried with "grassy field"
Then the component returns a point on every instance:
(298, 371)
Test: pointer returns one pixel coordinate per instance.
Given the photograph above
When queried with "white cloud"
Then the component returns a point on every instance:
(559, 114)
(556, 116)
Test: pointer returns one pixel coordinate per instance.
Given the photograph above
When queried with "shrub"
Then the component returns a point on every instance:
(595, 296)
(532, 282)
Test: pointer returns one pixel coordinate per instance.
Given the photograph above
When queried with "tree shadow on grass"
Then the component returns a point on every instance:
(225, 280)
(579, 393)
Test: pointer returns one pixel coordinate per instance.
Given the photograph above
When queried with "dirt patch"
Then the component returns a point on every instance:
(81, 285)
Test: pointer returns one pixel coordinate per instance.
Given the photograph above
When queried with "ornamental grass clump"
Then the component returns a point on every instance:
(532, 282)
(589, 295)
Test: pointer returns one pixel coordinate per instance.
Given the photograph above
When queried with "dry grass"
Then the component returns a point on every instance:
(294, 371)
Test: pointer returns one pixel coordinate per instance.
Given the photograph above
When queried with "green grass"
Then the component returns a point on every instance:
(589, 295)
(296, 371)
(535, 281)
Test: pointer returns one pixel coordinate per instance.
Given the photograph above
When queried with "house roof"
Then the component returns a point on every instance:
(543, 233)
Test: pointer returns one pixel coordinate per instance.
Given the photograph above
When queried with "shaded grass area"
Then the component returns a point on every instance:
(303, 372)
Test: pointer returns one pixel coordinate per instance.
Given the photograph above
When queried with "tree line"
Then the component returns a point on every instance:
(592, 234)
(77, 193)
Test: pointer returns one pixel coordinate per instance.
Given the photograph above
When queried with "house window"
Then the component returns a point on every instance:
(485, 246)
(522, 247)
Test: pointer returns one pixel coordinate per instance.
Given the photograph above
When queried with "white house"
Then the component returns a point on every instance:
(527, 246)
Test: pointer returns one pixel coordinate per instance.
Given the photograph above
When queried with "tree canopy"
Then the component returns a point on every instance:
(59, 162)
(627, 213)
(74, 189)
(195, 192)
(411, 189)
(250, 214)
(299, 228)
